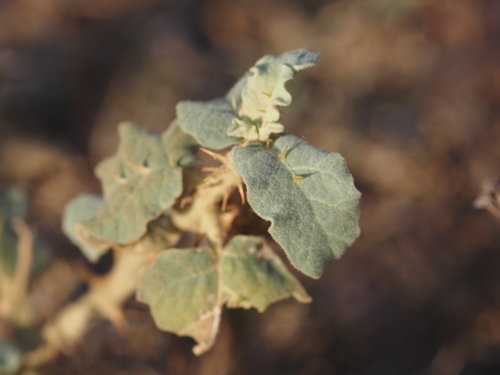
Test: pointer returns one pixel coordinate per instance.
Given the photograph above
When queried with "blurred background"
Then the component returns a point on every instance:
(408, 91)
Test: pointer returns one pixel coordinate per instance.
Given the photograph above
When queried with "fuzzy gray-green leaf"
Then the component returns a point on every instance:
(187, 288)
(310, 199)
(264, 90)
(81, 209)
(180, 146)
(161, 235)
(256, 277)
(139, 184)
(208, 121)
(181, 287)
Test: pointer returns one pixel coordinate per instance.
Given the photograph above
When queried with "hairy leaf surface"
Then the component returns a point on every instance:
(180, 146)
(208, 121)
(264, 91)
(309, 196)
(256, 277)
(81, 209)
(139, 185)
(181, 287)
(249, 110)
(186, 289)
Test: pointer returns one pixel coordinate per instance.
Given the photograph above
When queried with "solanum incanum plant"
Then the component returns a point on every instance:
(154, 193)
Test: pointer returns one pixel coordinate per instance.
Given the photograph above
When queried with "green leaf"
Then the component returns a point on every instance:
(14, 205)
(264, 91)
(256, 277)
(309, 196)
(186, 289)
(208, 121)
(80, 209)
(180, 147)
(161, 235)
(139, 185)
(10, 357)
(249, 110)
(181, 287)
(113, 173)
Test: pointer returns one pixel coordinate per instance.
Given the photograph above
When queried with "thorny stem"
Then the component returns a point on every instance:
(203, 217)
(105, 297)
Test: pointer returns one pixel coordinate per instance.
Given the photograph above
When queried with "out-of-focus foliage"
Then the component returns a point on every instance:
(14, 206)
(139, 184)
(82, 208)
(407, 91)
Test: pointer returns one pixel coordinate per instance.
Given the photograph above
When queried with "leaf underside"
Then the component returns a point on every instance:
(265, 90)
(139, 184)
(187, 288)
(310, 199)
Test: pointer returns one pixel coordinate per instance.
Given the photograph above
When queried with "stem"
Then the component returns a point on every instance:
(203, 217)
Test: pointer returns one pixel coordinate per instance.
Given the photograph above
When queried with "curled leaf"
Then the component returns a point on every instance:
(249, 110)
(264, 91)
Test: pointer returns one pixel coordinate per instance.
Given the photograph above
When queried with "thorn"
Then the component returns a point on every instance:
(184, 201)
(297, 179)
(117, 318)
(282, 155)
(266, 94)
(199, 238)
(115, 177)
(233, 99)
(209, 169)
(241, 190)
(218, 172)
(138, 167)
(187, 198)
(216, 156)
(224, 201)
